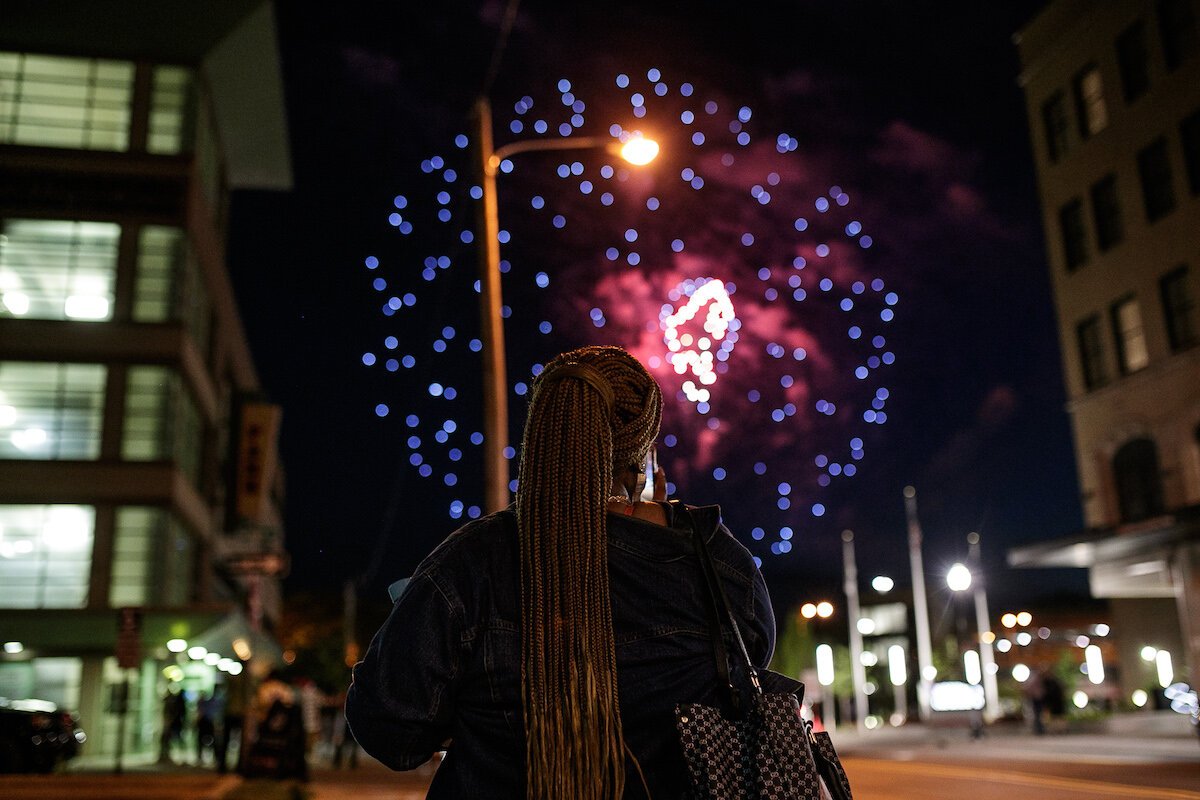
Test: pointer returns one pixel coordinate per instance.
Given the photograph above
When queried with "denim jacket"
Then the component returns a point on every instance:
(445, 667)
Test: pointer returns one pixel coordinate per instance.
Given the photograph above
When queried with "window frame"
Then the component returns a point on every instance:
(1157, 180)
(1133, 60)
(1089, 337)
(1123, 342)
(1076, 252)
(1179, 309)
(1106, 212)
(1091, 109)
(1056, 126)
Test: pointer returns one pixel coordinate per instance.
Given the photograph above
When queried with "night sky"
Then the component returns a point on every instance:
(904, 120)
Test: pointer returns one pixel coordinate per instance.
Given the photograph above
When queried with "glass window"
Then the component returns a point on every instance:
(1154, 168)
(170, 129)
(57, 269)
(1139, 485)
(45, 555)
(1054, 119)
(1130, 336)
(1106, 209)
(1089, 102)
(169, 285)
(178, 575)
(161, 420)
(152, 559)
(1133, 61)
(160, 256)
(52, 101)
(1189, 136)
(1074, 234)
(1091, 353)
(1177, 27)
(1179, 308)
(51, 411)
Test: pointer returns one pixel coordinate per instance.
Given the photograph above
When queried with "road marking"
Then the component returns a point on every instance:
(1043, 781)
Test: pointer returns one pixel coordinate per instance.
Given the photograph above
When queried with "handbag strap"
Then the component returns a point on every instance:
(718, 607)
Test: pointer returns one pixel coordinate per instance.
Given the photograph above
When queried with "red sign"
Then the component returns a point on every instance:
(129, 638)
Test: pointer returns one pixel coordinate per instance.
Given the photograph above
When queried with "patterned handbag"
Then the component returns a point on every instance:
(760, 747)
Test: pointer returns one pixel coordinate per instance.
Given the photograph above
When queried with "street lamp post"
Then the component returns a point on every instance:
(636, 150)
(857, 670)
(991, 692)
(926, 672)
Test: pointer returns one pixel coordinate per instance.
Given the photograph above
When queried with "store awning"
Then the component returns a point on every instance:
(234, 637)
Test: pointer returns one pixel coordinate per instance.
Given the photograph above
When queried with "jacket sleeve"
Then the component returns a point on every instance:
(400, 705)
(762, 626)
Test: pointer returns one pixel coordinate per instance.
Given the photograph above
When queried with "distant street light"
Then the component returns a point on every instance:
(882, 584)
(980, 663)
(824, 609)
(636, 150)
(958, 578)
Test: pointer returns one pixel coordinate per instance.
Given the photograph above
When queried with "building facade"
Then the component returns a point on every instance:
(125, 376)
(1113, 98)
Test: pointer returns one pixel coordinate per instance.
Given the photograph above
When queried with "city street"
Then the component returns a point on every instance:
(1141, 756)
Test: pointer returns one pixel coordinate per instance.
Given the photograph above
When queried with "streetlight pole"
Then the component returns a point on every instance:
(857, 670)
(987, 659)
(920, 604)
(637, 150)
(495, 396)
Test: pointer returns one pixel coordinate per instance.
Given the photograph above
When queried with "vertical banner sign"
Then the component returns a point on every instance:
(256, 458)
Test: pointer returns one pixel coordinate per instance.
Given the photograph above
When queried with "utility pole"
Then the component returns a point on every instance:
(920, 605)
(986, 658)
(857, 670)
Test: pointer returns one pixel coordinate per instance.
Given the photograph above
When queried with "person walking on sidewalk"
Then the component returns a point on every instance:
(519, 633)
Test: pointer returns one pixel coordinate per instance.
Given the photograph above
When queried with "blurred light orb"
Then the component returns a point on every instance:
(958, 578)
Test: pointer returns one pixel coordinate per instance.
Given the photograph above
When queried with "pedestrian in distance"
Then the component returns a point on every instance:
(544, 647)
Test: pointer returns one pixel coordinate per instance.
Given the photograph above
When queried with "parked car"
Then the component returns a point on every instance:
(35, 736)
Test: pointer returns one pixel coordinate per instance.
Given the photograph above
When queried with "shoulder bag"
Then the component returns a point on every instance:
(758, 746)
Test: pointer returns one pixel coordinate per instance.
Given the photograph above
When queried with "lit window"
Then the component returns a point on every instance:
(45, 555)
(152, 559)
(1130, 336)
(1133, 61)
(161, 421)
(1089, 102)
(51, 101)
(1154, 168)
(170, 111)
(57, 269)
(50, 411)
(169, 286)
(1179, 308)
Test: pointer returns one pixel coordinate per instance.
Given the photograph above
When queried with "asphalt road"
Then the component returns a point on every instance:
(993, 779)
(910, 773)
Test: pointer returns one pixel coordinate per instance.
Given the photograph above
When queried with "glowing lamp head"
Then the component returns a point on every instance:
(639, 150)
(958, 578)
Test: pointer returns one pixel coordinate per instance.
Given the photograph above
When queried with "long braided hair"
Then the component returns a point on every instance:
(593, 412)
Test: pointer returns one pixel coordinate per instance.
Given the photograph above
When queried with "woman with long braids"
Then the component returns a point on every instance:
(544, 647)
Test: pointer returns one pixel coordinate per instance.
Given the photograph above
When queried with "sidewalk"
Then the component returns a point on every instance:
(1149, 737)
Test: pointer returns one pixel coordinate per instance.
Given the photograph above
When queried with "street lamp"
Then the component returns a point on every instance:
(982, 664)
(636, 150)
